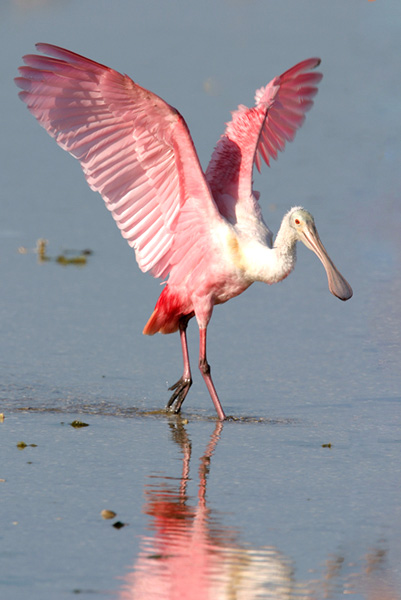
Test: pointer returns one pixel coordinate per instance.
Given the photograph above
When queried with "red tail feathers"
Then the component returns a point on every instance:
(167, 314)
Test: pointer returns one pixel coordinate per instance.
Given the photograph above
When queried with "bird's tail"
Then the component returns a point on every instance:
(167, 314)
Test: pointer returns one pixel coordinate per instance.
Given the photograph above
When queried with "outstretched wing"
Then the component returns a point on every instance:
(133, 147)
(261, 131)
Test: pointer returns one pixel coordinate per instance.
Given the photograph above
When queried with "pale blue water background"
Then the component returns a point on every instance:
(306, 521)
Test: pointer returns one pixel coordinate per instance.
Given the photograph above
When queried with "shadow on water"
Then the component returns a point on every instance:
(188, 553)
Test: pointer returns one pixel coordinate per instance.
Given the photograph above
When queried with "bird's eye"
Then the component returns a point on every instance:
(297, 221)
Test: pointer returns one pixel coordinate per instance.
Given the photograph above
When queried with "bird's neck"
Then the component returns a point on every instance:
(285, 249)
(271, 265)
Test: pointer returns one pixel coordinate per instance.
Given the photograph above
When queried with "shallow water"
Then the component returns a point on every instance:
(298, 495)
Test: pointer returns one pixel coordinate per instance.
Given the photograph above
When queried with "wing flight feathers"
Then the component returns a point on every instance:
(259, 133)
(133, 147)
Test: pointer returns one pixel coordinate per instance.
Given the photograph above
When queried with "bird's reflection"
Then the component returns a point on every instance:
(190, 555)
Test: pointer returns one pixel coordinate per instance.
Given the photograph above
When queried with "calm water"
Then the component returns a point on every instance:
(297, 498)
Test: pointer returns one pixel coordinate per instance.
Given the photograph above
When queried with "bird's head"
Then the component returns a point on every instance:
(303, 225)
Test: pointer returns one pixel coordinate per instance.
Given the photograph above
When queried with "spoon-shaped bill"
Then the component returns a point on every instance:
(338, 286)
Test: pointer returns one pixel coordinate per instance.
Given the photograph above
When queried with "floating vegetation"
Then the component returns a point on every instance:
(68, 257)
(78, 424)
(75, 260)
(22, 445)
(108, 514)
(41, 245)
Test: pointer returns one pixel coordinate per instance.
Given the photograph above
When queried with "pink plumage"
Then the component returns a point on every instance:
(204, 231)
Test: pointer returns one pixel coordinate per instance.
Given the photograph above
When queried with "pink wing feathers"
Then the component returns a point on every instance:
(261, 131)
(134, 148)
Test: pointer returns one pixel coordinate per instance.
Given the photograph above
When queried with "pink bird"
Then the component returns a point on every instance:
(205, 231)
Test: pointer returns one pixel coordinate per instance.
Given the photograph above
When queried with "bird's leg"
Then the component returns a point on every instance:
(181, 387)
(205, 370)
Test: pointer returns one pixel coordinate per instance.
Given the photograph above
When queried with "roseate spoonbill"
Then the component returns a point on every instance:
(204, 230)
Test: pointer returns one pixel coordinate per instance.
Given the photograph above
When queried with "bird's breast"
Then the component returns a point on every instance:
(252, 259)
(250, 256)
(235, 251)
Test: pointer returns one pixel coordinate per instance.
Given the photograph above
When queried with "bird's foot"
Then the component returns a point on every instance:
(180, 390)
